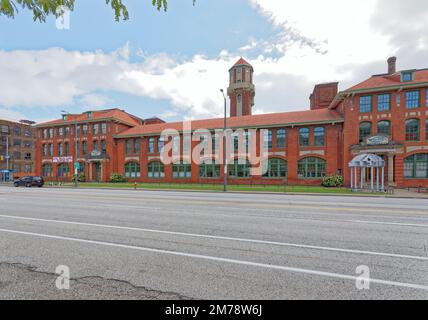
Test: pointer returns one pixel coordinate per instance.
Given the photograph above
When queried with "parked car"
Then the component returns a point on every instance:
(29, 182)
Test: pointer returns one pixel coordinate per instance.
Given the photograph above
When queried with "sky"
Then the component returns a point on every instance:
(172, 64)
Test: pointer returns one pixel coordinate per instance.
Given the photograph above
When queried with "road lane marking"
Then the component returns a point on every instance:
(319, 207)
(195, 235)
(226, 260)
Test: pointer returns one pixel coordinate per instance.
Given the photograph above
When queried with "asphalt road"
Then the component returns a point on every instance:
(188, 245)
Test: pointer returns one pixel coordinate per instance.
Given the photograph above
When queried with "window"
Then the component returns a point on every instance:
(132, 170)
(85, 129)
(28, 168)
(67, 132)
(366, 104)
(17, 155)
(412, 99)
(383, 102)
(95, 129)
(17, 142)
(155, 170)
(281, 138)
(47, 170)
(268, 139)
(365, 131)
(128, 147)
(412, 130)
(239, 74)
(176, 140)
(103, 147)
(407, 76)
(152, 145)
(103, 128)
(398, 99)
(161, 143)
(28, 156)
(304, 137)
(51, 133)
(44, 150)
(416, 166)
(137, 146)
(17, 131)
(240, 169)
(63, 170)
(181, 170)
(277, 168)
(312, 168)
(78, 149)
(84, 148)
(209, 169)
(60, 132)
(60, 150)
(5, 129)
(426, 98)
(28, 133)
(50, 149)
(45, 133)
(28, 144)
(95, 145)
(66, 149)
(319, 136)
(384, 128)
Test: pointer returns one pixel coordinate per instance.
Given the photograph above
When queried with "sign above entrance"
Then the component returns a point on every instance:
(96, 153)
(377, 141)
(62, 160)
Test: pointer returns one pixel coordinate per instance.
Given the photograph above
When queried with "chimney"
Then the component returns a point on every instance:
(392, 65)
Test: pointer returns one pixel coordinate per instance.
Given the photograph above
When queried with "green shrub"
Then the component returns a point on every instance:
(80, 177)
(117, 178)
(333, 181)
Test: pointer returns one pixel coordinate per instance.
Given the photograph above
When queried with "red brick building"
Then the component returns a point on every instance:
(385, 115)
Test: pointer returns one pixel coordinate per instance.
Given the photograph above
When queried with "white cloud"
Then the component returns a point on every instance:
(317, 41)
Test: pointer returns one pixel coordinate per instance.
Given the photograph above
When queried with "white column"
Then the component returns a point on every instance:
(383, 179)
(362, 179)
(352, 178)
(372, 179)
(355, 178)
(377, 179)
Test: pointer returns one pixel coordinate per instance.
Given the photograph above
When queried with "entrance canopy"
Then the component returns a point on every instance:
(363, 162)
(367, 160)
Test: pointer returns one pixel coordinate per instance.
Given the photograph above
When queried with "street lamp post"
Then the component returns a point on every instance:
(75, 152)
(224, 143)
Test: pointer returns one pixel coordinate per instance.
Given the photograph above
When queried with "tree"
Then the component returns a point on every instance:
(43, 8)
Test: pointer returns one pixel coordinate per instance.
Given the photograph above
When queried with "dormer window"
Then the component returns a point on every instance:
(64, 117)
(406, 76)
(89, 114)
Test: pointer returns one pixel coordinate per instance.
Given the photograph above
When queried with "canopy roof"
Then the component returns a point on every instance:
(367, 160)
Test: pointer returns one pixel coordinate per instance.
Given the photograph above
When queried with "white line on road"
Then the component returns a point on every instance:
(194, 235)
(218, 259)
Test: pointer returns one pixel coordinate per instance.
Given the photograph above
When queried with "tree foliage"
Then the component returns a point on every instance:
(43, 8)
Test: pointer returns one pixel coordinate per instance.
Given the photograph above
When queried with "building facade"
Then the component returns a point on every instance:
(385, 115)
(17, 149)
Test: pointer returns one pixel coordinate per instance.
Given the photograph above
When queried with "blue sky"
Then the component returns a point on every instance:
(172, 64)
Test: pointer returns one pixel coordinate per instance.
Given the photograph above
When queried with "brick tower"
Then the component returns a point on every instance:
(241, 89)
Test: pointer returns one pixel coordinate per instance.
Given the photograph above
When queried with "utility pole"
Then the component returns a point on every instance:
(224, 143)
(7, 157)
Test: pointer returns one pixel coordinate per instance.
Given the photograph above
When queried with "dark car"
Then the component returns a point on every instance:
(29, 182)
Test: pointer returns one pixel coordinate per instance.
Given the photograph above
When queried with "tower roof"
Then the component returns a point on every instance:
(242, 62)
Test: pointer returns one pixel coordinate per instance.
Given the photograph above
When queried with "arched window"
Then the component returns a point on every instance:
(312, 168)
(63, 170)
(181, 170)
(132, 170)
(319, 136)
(47, 170)
(276, 168)
(365, 130)
(412, 130)
(384, 128)
(416, 166)
(304, 137)
(209, 169)
(281, 138)
(239, 110)
(240, 169)
(156, 170)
